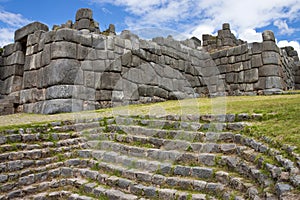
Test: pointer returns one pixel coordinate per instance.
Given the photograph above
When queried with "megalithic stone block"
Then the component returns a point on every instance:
(268, 36)
(23, 32)
(84, 13)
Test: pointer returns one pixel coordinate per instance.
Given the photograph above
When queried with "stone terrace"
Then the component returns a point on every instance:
(145, 157)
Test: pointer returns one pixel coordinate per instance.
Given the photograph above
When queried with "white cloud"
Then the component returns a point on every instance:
(12, 22)
(285, 43)
(6, 36)
(203, 29)
(250, 35)
(283, 27)
(194, 16)
(12, 19)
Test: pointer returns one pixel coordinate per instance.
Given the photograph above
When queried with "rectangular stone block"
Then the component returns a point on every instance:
(222, 68)
(31, 95)
(251, 76)
(256, 61)
(33, 62)
(11, 84)
(46, 55)
(237, 67)
(208, 71)
(270, 57)
(82, 52)
(249, 87)
(95, 54)
(49, 37)
(60, 105)
(109, 80)
(23, 32)
(17, 57)
(30, 79)
(103, 95)
(84, 93)
(89, 79)
(270, 46)
(98, 42)
(16, 83)
(230, 77)
(270, 70)
(240, 78)
(62, 71)
(67, 35)
(256, 48)
(7, 71)
(63, 50)
(274, 82)
(60, 92)
(11, 48)
(261, 84)
(34, 38)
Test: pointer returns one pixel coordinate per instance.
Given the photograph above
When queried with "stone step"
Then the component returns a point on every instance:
(165, 168)
(36, 160)
(50, 195)
(174, 156)
(173, 134)
(233, 163)
(181, 125)
(22, 148)
(138, 183)
(39, 153)
(165, 144)
(275, 171)
(37, 137)
(207, 137)
(200, 118)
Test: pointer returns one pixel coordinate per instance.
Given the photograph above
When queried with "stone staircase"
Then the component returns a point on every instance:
(145, 157)
(8, 104)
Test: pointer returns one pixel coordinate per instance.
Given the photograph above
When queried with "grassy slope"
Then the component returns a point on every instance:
(283, 125)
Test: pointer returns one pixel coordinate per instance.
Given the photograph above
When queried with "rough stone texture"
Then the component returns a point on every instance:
(22, 33)
(77, 63)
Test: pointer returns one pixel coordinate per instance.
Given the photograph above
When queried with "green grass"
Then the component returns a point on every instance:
(281, 121)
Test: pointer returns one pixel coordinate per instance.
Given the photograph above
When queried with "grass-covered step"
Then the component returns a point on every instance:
(165, 144)
(200, 118)
(156, 154)
(167, 169)
(181, 125)
(172, 134)
(141, 184)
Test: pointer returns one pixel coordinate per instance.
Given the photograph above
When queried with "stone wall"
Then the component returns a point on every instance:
(76, 67)
(255, 68)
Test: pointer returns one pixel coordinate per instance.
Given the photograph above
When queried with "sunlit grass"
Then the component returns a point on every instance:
(283, 125)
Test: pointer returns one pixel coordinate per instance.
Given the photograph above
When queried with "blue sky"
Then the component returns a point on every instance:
(186, 18)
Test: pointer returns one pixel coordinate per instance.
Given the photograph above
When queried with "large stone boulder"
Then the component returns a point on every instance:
(23, 32)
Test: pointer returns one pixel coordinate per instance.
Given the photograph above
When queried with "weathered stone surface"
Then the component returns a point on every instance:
(62, 71)
(273, 82)
(251, 76)
(268, 36)
(84, 13)
(63, 50)
(270, 57)
(270, 70)
(282, 188)
(11, 48)
(202, 173)
(23, 32)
